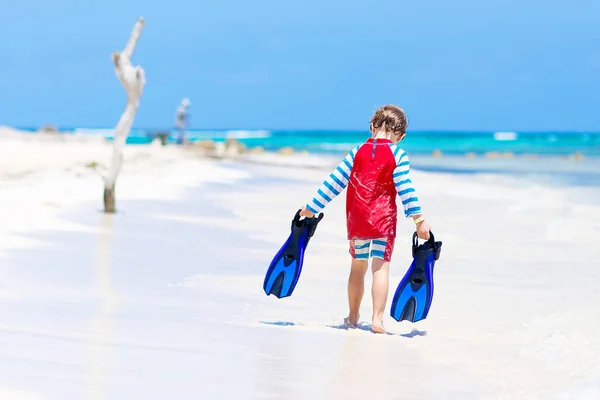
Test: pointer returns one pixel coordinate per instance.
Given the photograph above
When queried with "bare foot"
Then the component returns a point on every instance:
(377, 327)
(352, 323)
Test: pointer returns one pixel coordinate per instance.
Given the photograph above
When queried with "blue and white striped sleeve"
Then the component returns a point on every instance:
(334, 184)
(404, 185)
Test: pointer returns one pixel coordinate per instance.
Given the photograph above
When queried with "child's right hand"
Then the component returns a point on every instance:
(423, 230)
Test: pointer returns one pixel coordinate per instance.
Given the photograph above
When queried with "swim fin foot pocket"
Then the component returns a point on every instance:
(414, 294)
(284, 271)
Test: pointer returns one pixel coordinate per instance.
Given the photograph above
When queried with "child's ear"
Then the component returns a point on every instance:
(402, 136)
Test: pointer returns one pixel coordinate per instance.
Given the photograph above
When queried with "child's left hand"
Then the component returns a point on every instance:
(305, 212)
(423, 230)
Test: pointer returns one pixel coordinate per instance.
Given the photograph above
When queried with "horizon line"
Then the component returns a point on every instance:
(300, 130)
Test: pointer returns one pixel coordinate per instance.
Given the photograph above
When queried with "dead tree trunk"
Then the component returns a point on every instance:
(133, 80)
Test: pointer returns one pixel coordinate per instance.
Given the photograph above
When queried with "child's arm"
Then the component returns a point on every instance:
(333, 185)
(408, 195)
(405, 188)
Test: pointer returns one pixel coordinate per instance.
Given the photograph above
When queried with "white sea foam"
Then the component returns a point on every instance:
(505, 136)
(244, 134)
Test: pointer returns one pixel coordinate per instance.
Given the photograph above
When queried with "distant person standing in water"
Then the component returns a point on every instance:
(182, 120)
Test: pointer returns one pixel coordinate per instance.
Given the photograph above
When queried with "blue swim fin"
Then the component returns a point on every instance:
(284, 271)
(414, 294)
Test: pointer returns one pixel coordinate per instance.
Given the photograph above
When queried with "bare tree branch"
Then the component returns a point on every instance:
(133, 38)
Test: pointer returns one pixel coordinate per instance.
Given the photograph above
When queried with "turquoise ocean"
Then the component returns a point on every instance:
(540, 156)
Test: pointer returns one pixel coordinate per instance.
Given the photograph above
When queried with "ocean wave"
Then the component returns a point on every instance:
(505, 136)
(242, 134)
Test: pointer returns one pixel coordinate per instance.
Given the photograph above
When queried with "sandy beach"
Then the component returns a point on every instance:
(164, 299)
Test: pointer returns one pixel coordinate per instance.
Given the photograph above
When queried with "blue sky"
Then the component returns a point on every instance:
(465, 64)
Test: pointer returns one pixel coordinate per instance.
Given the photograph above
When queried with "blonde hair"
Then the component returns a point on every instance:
(390, 119)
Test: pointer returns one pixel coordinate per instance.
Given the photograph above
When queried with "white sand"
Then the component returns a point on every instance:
(41, 175)
(165, 300)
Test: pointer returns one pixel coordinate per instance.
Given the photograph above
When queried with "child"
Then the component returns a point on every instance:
(375, 172)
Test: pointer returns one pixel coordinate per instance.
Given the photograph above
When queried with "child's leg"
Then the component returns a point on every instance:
(359, 250)
(380, 266)
(356, 289)
(379, 291)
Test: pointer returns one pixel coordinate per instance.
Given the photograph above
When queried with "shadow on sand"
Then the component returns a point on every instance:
(281, 323)
(343, 326)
